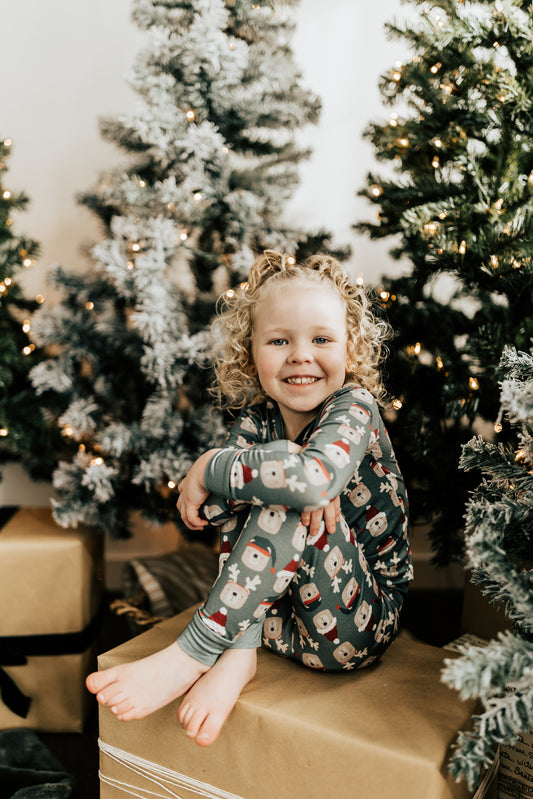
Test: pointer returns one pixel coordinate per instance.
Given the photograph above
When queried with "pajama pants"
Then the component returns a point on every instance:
(313, 599)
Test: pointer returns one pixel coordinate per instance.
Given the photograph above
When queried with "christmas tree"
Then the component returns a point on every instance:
(24, 433)
(457, 199)
(499, 543)
(212, 161)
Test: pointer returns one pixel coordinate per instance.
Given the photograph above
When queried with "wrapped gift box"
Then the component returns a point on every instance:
(384, 731)
(50, 596)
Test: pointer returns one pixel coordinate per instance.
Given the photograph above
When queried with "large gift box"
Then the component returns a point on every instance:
(384, 731)
(50, 596)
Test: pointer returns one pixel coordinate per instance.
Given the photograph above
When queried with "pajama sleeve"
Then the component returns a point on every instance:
(270, 474)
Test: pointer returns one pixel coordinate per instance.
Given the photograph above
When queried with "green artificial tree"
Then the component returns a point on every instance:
(457, 203)
(25, 435)
(499, 547)
(213, 160)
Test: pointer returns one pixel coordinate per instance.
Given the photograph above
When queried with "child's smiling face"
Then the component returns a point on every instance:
(299, 348)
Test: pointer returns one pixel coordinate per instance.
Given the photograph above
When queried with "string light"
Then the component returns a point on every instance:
(6, 195)
(375, 190)
(183, 236)
(230, 294)
(97, 461)
(7, 142)
(473, 383)
(89, 305)
(397, 404)
(494, 262)
(498, 427)
(393, 121)
(130, 265)
(520, 455)
(435, 68)
(462, 247)
(136, 247)
(360, 281)
(68, 431)
(171, 484)
(39, 299)
(435, 163)
(190, 115)
(403, 142)
(197, 196)
(26, 327)
(439, 362)
(291, 260)
(4, 432)
(27, 262)
(28, 349)
(437, 142)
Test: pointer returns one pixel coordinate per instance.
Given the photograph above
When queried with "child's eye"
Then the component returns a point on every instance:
(321, 339)
(278, 341)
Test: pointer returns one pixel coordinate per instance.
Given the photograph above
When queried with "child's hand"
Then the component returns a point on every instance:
(193, 492)
(331, 514)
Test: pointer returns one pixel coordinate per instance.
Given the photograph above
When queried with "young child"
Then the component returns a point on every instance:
(314, 549)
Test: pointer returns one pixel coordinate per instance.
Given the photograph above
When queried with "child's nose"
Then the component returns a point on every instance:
(301, 353)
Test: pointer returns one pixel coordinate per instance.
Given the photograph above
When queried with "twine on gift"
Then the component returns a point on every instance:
(164, 778)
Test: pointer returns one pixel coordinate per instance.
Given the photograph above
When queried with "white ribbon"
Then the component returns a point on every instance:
(165, 778)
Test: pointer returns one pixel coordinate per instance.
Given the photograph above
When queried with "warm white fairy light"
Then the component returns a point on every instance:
(403, 142)
(462, 247)
(498, 427)
(129, 265)
(190, 115)
(28, 349)
(68, 431)
(291, 260)
(397, 404)
(171, 484)
(183, 236)
(375, 190)
(494, 262)
(27, 262)
(6, 195)
(89, 305)
(97, 461)
(230, 294)
(435, 163)
(26, 326)
(473, 383)
(393, 121)
(197, 196)
(384, 295)
(136, 247)
(435, 68)
(360, 281)
(7, 142)
(4, 432)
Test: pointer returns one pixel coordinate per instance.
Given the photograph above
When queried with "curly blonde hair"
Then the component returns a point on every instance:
(233, 329)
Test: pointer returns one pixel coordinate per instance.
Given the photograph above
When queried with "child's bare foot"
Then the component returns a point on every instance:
(133, 690)
(205, 708)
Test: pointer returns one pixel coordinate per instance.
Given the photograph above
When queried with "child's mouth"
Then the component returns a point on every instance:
(300, 381)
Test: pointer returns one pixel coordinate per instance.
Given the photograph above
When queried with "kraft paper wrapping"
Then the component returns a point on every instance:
(294, 733)
(51, 582)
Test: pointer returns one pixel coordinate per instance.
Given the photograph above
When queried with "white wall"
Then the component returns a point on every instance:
(63, 64)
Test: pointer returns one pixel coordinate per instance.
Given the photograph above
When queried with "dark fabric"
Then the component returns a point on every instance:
(167, 584)
(28, 770)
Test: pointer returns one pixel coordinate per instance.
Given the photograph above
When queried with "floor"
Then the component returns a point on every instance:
(433, 617)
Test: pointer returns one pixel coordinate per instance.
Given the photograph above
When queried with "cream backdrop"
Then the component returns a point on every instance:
(63, 65)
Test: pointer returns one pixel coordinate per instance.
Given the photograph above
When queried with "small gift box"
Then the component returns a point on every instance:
(51, 582)
(384, 731)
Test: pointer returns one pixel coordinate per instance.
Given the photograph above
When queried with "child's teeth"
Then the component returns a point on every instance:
(300, 380)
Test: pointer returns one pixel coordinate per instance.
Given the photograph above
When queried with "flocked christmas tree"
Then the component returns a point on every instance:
(213, 159)
(499, 545)
(458, 201)
(24, 434)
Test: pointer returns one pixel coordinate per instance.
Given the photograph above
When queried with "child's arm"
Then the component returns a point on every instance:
(274, 474)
